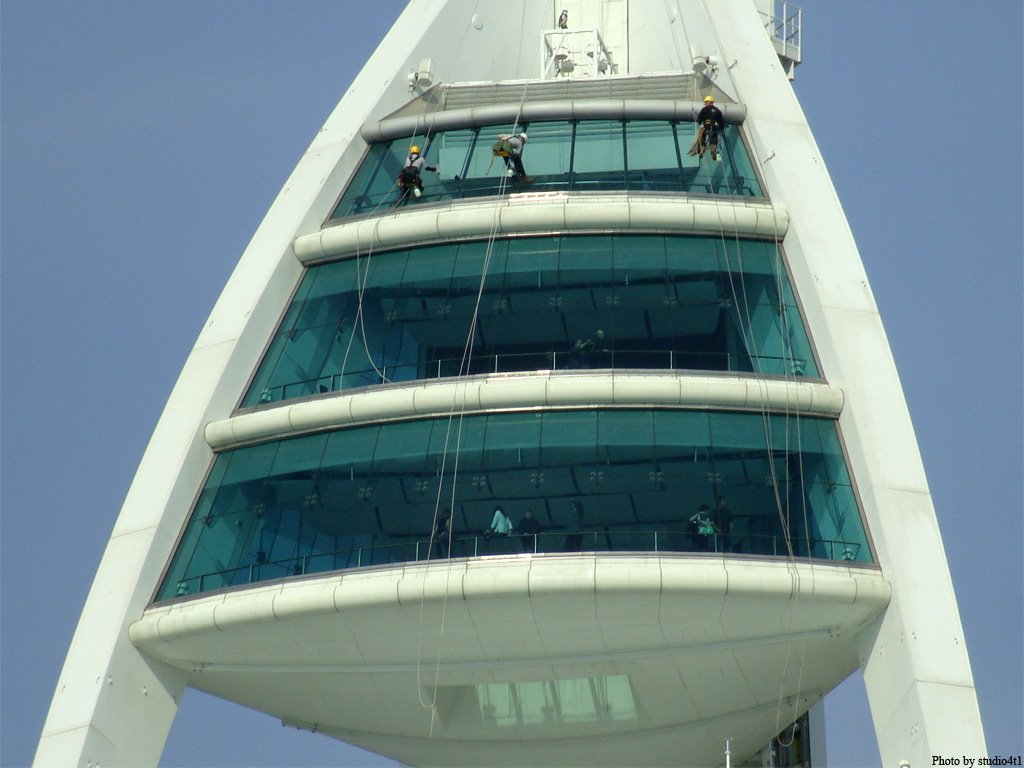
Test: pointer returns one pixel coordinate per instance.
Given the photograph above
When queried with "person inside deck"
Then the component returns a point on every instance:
(528, 529)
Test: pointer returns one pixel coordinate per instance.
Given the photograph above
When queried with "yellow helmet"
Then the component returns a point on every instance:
(708, 98)
(414, 150)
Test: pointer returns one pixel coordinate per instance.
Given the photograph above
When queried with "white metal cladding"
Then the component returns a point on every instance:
(114, 704)
(585, 109)
(701, 641)
(828, 597)
(542, 213)
(513, 391)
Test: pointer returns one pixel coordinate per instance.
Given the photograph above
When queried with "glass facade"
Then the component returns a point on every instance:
(580, 156)
(602, 480)
(548, 303)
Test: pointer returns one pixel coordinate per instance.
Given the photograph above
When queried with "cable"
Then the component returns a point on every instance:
(462, 373)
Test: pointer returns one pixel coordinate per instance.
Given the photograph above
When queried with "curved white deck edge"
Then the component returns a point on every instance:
(544, 212)
(365, 637)
(823, 599)
(502, 392)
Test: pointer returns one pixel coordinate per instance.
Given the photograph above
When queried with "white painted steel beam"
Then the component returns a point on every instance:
(544, 213)
(525, 391)
(915, 662)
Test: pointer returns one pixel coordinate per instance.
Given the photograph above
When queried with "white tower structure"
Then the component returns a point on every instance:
(652, 345)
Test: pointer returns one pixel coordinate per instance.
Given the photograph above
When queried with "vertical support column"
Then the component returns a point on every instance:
(916, 669)
(112, 705)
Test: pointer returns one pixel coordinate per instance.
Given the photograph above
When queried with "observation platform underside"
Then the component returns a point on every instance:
(555, 659)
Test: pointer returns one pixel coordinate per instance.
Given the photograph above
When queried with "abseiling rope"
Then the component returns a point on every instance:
(783, 515)
(464, 367)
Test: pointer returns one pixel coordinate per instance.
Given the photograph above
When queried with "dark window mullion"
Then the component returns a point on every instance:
(572, 155)
(466, 162)
(679, 153)
(625, 158)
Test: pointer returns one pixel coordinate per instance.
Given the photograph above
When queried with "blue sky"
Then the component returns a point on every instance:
(142, 143)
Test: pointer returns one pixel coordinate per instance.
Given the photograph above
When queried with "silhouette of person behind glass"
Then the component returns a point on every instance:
(528, 529)
(574, 539)
(443, 533)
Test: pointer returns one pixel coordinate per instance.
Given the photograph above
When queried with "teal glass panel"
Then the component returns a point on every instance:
(350, 452)
(293, 456)
(402, 447)
(640, 259)
(570, 430)
(625, 436)
(532, 262)
(368, 272)
(430, 268)
(690, 165)
(736, 158)
(517, 443)
(548, 154)
(732, 174)
(467, 444)
(452, 151)
(599, 156)
(448, 158)
(652, 157)
(470, 261)
(249, 464)
(444, 437)
(548, 303)
(677, 433)
(737, 431)
(484, 173)
(595, 480)
(373, 185)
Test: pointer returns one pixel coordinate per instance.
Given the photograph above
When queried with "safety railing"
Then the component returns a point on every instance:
(480, 545)
(518, 362)
(720, 182)
(784, 24)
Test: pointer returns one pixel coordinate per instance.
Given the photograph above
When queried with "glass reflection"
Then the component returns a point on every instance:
(594, 481)
(578, 156)
(550, 304)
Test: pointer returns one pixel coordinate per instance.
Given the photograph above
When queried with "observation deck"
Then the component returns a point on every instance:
(597, 659)
(667, 354)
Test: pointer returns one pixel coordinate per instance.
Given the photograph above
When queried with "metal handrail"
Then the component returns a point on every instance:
(548, 542)
(784, 25)
(506, 363)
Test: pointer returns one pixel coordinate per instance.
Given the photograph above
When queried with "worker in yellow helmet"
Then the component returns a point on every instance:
(711, 122)
(409, 181)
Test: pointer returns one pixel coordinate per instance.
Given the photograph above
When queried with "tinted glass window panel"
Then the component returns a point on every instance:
(249, 464)
(737, 159)
(349, 452)
(369, 272)
(597, 481)
(599, 160)
(295, 456)
(439, 185)
(651, 157)
(374, 185)
(402, 447)
(452, 151)
(533, 262)
(547, 154)
(627, 302)
(485, 173)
